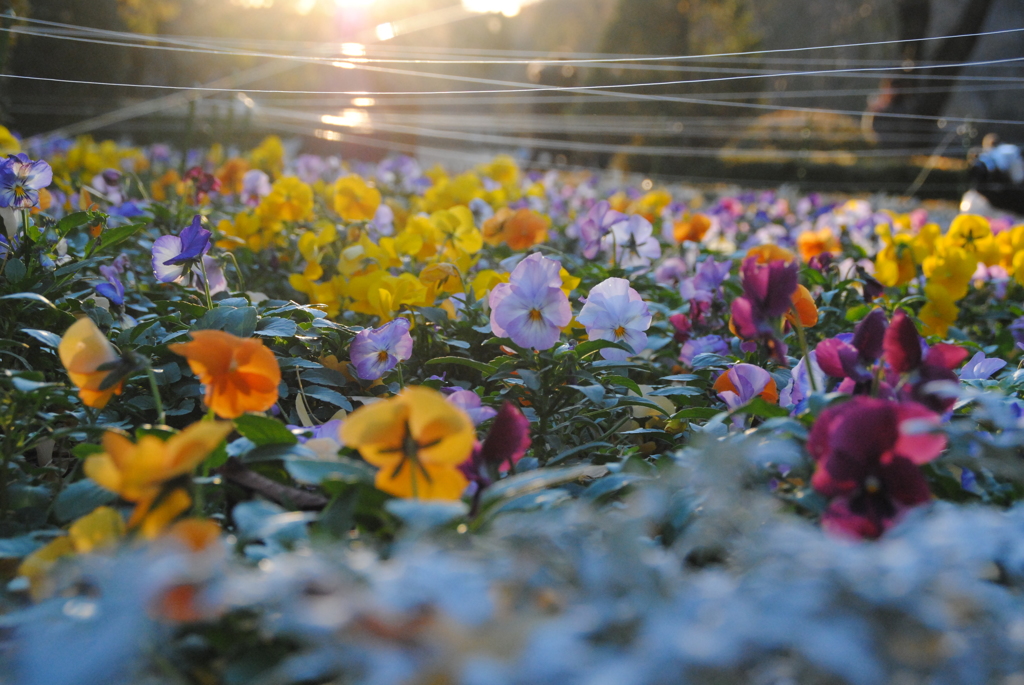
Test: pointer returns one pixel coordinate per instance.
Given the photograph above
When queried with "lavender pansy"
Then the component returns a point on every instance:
(595, 225)
(375, 351)
(469, 402)
(531, 308)
(709, 344)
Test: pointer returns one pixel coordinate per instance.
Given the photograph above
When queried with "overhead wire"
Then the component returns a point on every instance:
(625, 59)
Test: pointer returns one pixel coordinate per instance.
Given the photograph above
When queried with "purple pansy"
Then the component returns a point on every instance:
(171, 253)
(375, 351)
(531, 308)
(21, 179)
(616, 312)
(595, 225)
(749, 381)
(709, 344)
(469, 402)
(113, 289)
(980, 368)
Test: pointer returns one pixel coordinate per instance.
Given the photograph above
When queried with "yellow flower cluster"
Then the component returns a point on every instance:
(947, 261)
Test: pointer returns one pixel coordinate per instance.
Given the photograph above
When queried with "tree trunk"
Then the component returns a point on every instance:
(914, 15)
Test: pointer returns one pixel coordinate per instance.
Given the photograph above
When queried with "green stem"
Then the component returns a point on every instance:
(238, 272)
(802, 337)
(206, 283)
(160, 417)
(401, 380)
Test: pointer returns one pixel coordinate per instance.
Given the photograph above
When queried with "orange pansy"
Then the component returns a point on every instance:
(520, 229)
(240, 374)
(82, 350)
(769, 394)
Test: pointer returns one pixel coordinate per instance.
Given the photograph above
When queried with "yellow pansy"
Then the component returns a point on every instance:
(381, 294)
(289, 200)
(951, 267)
(974, 234)
(894, 263)
(269, 156)
(939, 312)
(97, 530)
(650, 205)
(448, 192)
(441, 278)
(138, 471)
(83, 351)
(9, 145)
(416, 440)
(354, 199)
(458, 231)
(502, 169)
(485, 281)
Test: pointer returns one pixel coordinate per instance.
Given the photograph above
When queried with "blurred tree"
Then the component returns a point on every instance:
(669, 27)
(894, 98)
(10, 10)
(146, 16)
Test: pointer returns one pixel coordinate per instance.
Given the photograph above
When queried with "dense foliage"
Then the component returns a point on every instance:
(283, 419)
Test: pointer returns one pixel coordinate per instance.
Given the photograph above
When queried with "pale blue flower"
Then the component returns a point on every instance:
(616, 312)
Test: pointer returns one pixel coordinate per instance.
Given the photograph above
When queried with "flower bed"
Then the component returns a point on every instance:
(287, 420)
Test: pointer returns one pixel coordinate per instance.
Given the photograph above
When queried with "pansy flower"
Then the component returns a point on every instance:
(21, 179)
(632, 242)
(531, 308)
(90, 360)
(375, 351)
(616, 312)
(743, 382)
(867, 453)
(417, 440)
(239, 374)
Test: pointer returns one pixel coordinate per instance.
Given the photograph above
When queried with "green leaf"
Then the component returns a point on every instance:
(71, 222)
(762, 409)
(22, 546)
(426, 514)
(86, 449)
(34, 297)
(585, 349)
(263, 430)
(276, 327)
(281, 452)
(328, 395)
(855, 314)
(696, 413)
(542, 479)
(46, 337)
(676, 390)
(624, 382)
(565, 454)
(680, 378)
(79, 499)
(486, 369)
(594, 393)
(115, 236)
(315, 471)
(15, 270)
(612, 484)
(642, 402)
(241, 322)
